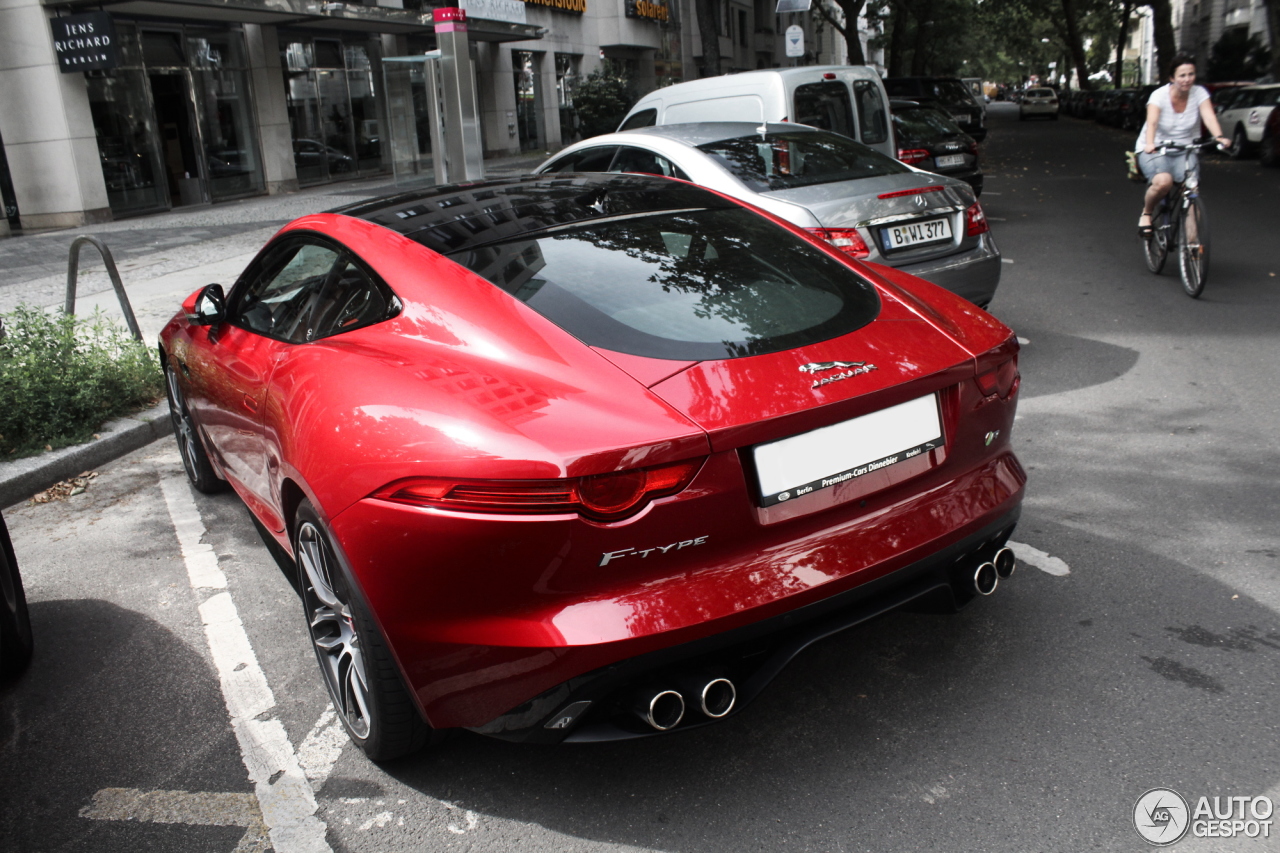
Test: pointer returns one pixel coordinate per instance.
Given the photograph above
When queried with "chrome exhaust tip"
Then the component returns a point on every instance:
(661, 709)
(985, 579)
(717, 697)
(1005, 562)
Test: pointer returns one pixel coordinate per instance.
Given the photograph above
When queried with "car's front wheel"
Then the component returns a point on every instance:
(359, 673)
(1239, 144)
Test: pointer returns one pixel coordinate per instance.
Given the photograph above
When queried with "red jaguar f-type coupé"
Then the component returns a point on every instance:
(588, 457)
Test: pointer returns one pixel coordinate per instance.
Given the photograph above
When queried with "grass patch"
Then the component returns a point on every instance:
(62, 377)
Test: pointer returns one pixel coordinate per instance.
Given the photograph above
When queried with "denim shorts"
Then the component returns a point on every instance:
(1153, 164)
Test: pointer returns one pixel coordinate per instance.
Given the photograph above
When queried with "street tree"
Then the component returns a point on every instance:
(708, 14)
(843, 15)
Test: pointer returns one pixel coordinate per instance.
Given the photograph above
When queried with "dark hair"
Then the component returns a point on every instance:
(1179, 60)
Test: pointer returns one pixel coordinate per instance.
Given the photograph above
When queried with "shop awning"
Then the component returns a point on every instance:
(314, 14)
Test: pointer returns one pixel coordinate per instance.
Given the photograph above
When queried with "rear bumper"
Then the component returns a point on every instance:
(483, 619)
(596, 704)
(974, 275)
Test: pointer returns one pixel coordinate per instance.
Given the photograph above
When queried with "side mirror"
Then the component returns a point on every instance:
(210, 306)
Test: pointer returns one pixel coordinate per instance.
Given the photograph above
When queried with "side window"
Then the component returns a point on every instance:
(646, 163)
(278, 300)
(826, 106)
(644, 118)
(350, 299)
(585, 160)
(873, 126)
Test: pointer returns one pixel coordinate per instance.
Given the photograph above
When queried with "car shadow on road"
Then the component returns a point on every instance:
(112, 699)
(1031, 720)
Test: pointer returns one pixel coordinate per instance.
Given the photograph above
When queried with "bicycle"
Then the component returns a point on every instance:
(1180, 222)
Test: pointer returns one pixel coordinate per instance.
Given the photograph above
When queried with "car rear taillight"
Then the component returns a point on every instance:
(975, 221)
(847, 240)
(911, 156)
(1003, 380)
(973, 148)
(604, 497)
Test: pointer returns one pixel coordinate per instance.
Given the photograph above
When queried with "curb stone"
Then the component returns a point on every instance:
(22, 478)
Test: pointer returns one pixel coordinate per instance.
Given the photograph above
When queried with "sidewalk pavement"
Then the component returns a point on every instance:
(162, 258)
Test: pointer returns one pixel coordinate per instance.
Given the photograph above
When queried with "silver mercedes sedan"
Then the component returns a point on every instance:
(869, 206)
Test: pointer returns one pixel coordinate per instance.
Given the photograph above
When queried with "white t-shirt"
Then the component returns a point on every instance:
(1183, 127)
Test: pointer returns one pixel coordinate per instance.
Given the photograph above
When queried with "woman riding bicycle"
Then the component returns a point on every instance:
(1174, 114)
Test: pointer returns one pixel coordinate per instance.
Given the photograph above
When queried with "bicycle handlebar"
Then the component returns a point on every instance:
(1171, 147)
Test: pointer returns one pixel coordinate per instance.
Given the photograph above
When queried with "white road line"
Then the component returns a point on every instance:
(202, 563)
(322, 746)
(192, 809)
(284, 794)
(1039, 559)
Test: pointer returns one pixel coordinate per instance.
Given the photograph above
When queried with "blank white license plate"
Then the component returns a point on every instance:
(950, 160)
(826, 457)
(914, 233)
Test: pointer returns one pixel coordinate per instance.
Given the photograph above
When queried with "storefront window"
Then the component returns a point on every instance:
(175, 122)
(525, 64)
(567, 65)
(226, 115)
(333, 112)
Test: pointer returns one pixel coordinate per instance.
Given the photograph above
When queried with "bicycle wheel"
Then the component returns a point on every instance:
(1155, 248)
(1193, 249)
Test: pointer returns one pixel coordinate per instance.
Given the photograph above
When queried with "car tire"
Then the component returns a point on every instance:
(1269, 152)
(359, 673)
(15, 623)
(194, 458)
(1239, 144)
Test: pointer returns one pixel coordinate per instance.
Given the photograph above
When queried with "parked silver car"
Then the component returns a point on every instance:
(864, 203)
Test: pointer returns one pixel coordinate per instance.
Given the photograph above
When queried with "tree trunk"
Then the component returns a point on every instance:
(1166, 44)
(919, 53)
(1120, 40)
(709, 28)
(849, 29)
(895, 63)
(1075, 44)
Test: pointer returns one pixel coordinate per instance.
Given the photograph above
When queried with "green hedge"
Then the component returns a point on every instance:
(61, 378)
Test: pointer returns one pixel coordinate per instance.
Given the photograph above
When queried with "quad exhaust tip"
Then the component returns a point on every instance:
(1005, 562)
(661, 709)
(985, 579)
(717, 697)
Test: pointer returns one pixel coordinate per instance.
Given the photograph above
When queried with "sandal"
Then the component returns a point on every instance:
(1145, 231)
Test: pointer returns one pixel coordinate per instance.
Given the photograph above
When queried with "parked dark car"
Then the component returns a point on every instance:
(1132, 108)
(928, 138)
(15, 624)
(949, 93)
(1108, 111)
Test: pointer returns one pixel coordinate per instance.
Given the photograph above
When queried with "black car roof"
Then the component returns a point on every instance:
(457, 217)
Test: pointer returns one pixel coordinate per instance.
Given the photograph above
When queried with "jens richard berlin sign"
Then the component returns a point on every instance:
(85, 42)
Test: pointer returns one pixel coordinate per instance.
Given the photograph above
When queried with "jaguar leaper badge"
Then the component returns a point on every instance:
(848, 369)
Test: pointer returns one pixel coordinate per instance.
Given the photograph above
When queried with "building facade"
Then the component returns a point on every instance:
(112, 108)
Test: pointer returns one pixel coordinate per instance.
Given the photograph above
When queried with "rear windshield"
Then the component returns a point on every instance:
(924, 123)
(691, 285)
(780, 161)
(1041, 93)
(953, 92)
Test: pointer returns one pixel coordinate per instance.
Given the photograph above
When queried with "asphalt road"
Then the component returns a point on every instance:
(1031, 721)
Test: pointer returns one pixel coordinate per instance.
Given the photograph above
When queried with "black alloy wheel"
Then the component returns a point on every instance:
(16, 642)
(359, 673)
(194, 459)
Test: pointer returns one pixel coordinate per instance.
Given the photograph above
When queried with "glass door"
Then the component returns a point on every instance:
(128, 142)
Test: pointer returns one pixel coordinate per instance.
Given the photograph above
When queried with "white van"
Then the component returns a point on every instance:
(846, 99)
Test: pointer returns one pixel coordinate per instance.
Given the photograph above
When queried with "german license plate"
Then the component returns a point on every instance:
(961, 118)
(950, 160)
(828, 456)
(915, 233)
